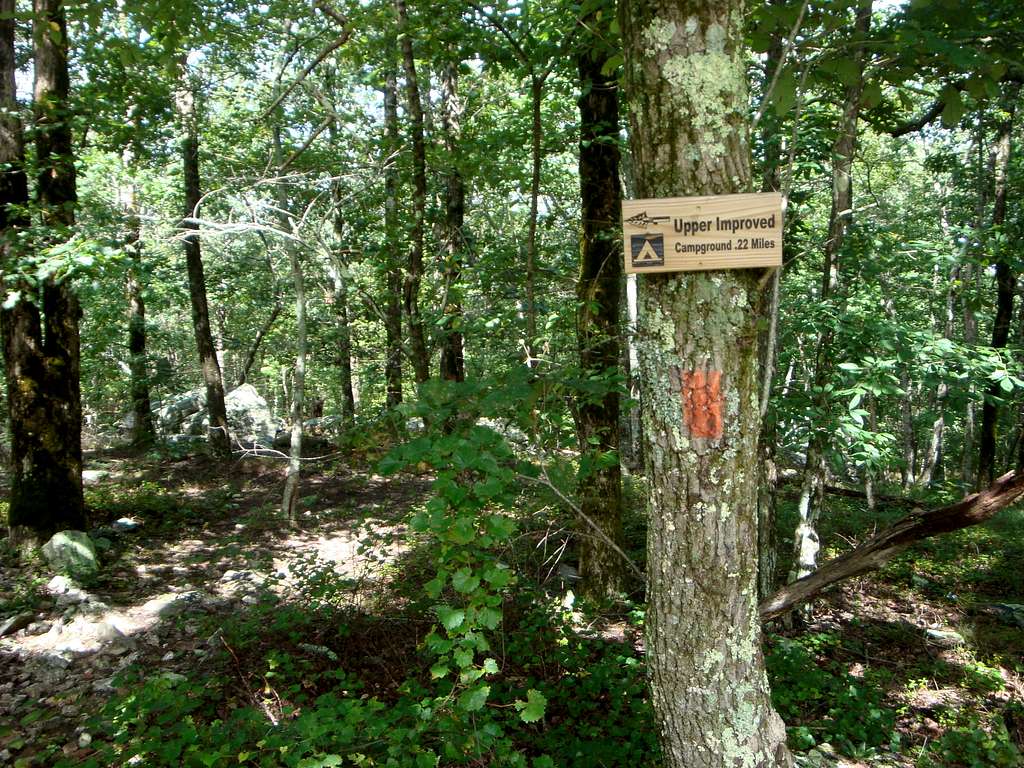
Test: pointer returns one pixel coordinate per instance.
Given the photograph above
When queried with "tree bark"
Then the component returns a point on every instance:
(414, 270)
(143, 430)
(598, 290)
(218, 434)
(40, 329)
(883, 546)
(697, 341)
(806, 545)
(536, 135)
(453, 365)
(393, 308)
(1006, 286)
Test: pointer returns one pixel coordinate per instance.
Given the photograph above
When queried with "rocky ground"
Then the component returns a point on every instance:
(160, 591)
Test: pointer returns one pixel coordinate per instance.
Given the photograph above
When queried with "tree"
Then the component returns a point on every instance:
(597, 325)
(218, 435)
(687, 89)
(40, 329)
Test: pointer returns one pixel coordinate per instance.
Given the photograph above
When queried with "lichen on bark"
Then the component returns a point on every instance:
(687, 88)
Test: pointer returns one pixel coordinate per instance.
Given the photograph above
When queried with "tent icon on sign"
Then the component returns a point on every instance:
(647, 250)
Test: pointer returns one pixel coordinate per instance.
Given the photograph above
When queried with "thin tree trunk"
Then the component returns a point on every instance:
(339, 300)
(218, 434)
(143, 430)
(41, 349)
(698, 367)
(907, 429)
(292, 479)
(809, 507)
(597, 325)
(932, 467)
(393, 308)
(536, 134)
(261, 334)
(414, 271)
(1006, 286)
(453, 366)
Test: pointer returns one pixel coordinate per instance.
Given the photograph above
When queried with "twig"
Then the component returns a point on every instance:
(546, 482)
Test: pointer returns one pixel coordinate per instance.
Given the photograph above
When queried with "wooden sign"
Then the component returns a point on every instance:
(679, 234)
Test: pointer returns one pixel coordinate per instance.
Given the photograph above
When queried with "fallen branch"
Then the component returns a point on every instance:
(883, 546)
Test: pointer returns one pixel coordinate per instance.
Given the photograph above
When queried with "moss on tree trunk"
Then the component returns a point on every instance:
(698, 359)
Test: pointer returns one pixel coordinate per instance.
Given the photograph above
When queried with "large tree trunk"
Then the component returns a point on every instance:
(41, 348)
(697, 340)
(218, 435)
(393, 307)
(143, 430)
(597, 326)
(806, 545)
(1006, 286)
(453, 365)
(414, 270)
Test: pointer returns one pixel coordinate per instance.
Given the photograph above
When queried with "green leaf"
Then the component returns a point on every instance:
(465, 581)
(497, 575)
(433, 587)
(953, 111)
(490, 666)
(474, 699)
(438, 670)
(451, 618)
(532, 710)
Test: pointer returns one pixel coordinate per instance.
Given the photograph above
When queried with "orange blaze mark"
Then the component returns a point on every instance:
(702, 403)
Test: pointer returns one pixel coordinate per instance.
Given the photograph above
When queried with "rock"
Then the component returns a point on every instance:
(84, 740)
(1011, 614)
(73, 553)
(174, 603)
(944, 638)
(127, 524)
(172, 677)
(16, 623)
(93, 476)
(171, 416)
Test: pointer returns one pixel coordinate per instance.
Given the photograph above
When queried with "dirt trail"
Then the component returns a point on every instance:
(199, 543)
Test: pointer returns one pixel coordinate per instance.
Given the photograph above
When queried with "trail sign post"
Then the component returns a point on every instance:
(679, 234)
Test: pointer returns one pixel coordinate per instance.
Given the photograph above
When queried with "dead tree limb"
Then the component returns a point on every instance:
(883, 546)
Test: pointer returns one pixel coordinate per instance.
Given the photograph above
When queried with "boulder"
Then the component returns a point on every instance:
(172, 415)
(73, 553)
(249, 418)
(16, 623)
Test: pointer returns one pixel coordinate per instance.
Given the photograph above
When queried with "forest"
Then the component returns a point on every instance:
(348, 426)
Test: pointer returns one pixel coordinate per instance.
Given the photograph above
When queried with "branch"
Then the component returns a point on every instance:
(913, 126)
(882, 547)
(327, 51)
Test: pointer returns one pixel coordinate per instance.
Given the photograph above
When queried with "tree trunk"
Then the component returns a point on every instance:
(536, 134)
(1006, 286)
(805, 551)
(932, 467)
(261, 334)
(41, 350)
(393, 308)
(143, 430)
(339, 300)
(597, 327)
(290, 497)
(414, 271)
(697, 340)
(453, 366)
(218, 434)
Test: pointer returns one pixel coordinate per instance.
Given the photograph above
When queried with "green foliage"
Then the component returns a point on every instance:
(979, 742)
(821, 701)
